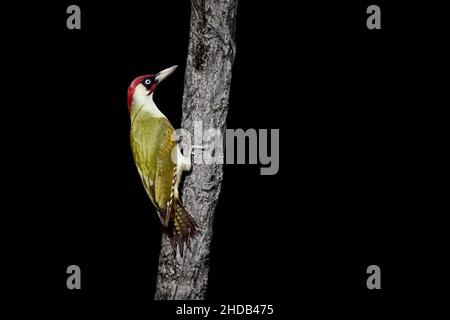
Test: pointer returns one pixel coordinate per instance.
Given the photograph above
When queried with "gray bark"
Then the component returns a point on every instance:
(206, 93)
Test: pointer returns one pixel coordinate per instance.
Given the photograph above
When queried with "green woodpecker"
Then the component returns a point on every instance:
(158, 158)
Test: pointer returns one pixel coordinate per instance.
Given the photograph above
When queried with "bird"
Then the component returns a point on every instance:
(158, 159)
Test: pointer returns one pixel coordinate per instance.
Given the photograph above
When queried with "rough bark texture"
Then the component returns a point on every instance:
(206, 94)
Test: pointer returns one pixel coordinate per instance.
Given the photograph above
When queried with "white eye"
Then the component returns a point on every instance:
(147, 82)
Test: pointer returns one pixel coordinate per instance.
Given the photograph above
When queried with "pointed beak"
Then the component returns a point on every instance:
(164, 74)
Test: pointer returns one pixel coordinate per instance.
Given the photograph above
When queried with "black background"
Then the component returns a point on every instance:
(360, 179)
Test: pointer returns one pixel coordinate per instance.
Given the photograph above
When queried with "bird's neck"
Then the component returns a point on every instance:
(147, 105)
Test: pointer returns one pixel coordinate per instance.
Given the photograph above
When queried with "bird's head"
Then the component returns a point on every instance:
(144, 86)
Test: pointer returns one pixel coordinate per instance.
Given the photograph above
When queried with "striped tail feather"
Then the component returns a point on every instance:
(181, 228)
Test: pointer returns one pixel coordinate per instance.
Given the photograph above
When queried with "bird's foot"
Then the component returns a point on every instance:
(197, 147)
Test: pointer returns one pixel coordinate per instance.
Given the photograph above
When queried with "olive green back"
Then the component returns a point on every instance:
(152, 147)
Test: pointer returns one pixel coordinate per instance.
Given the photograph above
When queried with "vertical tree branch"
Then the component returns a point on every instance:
(206, 93)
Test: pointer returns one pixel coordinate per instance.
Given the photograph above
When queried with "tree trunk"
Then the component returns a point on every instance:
(206, 94)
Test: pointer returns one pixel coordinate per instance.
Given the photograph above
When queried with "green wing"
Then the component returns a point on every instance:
(152, 147)
(165, 166)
